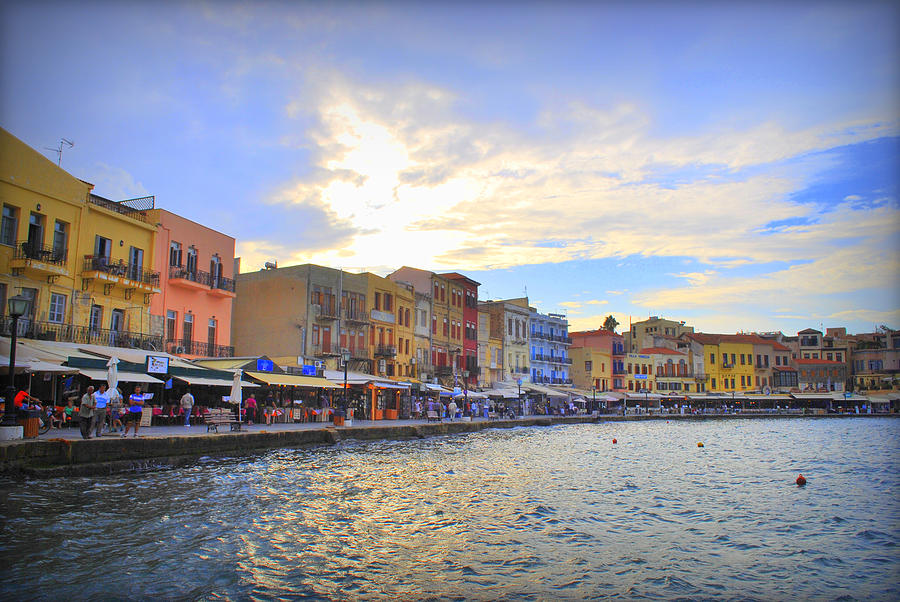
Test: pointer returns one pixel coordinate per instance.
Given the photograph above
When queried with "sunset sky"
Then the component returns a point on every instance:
(733, 165)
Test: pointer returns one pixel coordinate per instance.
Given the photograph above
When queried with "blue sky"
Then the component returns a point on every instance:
(733, 165)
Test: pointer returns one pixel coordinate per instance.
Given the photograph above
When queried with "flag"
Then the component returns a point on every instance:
(68, 382)
(169, 384)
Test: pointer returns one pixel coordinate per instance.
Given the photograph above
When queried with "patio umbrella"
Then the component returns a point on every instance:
(236, 394)
(112, 377)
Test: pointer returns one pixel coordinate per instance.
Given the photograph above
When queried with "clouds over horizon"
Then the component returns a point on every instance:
(399, 163)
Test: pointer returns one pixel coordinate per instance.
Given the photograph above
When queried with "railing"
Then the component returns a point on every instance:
(619, 371)
(561, 339)
(201, 277)
(190, 347)
(121, 207)
(520, 370)
(178, 272)
(359, 353)
(385, 350)
(68, 333)
(443, 370)
(618, 350)
(540, 357)
(356, 315)
(319, 350)
(540, 335)
(130, 271)
(47, 254)
(561, 360)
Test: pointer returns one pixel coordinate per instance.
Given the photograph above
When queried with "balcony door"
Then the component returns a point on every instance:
(211, 337)
(215, 271)
(116, 326)
(191, 267)
(188, 332)
(102, 252)
(35, 234)
(136, 264)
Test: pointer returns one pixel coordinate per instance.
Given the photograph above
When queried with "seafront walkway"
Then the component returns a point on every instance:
(63, 452)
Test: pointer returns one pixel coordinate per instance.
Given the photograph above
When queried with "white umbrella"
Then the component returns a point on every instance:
(112, 377)
(236, 394)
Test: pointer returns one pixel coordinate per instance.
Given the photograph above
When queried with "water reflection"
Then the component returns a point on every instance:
(530, 513)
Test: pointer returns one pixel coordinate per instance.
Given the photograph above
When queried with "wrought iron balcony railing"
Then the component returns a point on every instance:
(69, 333)
(44, 253)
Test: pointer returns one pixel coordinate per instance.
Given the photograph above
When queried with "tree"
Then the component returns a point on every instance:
(610, 323)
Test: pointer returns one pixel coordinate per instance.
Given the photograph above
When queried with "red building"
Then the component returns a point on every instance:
(469, 361)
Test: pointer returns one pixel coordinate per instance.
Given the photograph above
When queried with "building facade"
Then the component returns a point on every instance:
(606, 343)
(192, 313)
(549, 358)
(509, 323)
(84, 263)
(639, 334)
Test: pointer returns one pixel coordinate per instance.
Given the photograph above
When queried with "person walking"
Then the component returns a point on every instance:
(451, 410)
(101, 402)
(251, 408)
(86, 412)
(270, 409)
(115, 411)
(187, 406)
(135, 408)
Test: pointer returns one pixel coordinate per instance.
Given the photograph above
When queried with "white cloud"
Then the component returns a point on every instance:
(115, 183)
(398, 164)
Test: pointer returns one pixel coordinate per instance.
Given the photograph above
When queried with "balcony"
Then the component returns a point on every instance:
(323, 351)
(385, 351)
(133, 208)
(118, 272)
(198, 348)
(360, 316)
(324, 313)
(561, 339)
(43, 259)
(618, 350)
(619, 371)
(221, 287)
(359, 353)
(180, 276)
(443, 370)
(540, 335)
(68, 333)
(560, 360)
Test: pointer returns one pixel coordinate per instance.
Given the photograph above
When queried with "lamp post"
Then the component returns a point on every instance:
(519, 398)
(18, 305)
(345, 355)
(465, 389)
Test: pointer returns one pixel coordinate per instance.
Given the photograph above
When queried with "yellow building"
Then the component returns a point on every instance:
(591, 368)
(391, 339)
(490, 350)
(728, 361)
(639, 375)
(84, 262)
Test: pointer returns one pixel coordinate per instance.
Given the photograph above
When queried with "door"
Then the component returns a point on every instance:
(35, 236)
(188, 332)
(215, 271)
(26, 322)
(102, 252)
(96, 322)
(116, 325)
(211, 338)
(136, 264)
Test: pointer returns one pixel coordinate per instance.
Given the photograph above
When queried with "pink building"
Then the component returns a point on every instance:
(196, 264)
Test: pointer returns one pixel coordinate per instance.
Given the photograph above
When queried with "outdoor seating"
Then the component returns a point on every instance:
(217, 417)
(432, 415)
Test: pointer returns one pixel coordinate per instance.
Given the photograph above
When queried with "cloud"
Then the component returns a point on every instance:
(595, 321)
(115, 183)
(398, 163)
(889, 317)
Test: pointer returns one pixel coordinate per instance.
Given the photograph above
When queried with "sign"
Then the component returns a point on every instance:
(146, 416)
(383, 316)
(157, 364)
(265, 365)
(309, 370)
(640, 376)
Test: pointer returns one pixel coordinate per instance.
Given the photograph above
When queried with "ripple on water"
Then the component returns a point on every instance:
(529, 513)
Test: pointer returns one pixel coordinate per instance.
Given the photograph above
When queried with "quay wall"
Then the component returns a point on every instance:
(61, 457)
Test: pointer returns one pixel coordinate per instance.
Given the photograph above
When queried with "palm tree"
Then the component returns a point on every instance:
(610, 323)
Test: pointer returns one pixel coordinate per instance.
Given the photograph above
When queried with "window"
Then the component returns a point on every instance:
(388, 300)
(446, 327)
(712, 360)
(102, 248)
(171, 318)
(733, 362)
(136, 264)
(36, 231)
(9, 225)
(215, 270)
(588, 366)
(211, 333)
(316, 336)
(838, 357)
(60, 238)
(96, 320)
(509, 326)
(766, 361)
(378, 301)
(433, 324)
(742, 360)
(175, 253)
(191, 266)
(57, 308)
(713, 382)
(188, 332)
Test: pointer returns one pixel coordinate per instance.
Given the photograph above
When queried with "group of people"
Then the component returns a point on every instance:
(101, 408)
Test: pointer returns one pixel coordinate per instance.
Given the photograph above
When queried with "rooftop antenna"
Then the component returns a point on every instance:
(59, 150)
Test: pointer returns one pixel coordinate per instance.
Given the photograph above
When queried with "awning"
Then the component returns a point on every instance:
(386, 385)
(34, 365)
(126, 377)
(211, 382)
(293, 380)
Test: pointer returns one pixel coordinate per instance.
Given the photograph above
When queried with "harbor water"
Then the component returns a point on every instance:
(526, 513)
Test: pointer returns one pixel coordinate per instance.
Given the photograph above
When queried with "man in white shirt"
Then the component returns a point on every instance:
(187, 405)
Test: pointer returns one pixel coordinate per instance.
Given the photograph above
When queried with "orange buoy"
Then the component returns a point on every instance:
(801, 481)
(700, 444)
(614, 441)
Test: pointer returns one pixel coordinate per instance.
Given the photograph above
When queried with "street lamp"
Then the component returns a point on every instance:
(18, 305)
(465, 388)
(345, 355)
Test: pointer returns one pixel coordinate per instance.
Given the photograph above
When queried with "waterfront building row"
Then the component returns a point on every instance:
(98, 271)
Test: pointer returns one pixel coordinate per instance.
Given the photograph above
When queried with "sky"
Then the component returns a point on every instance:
(734, 165)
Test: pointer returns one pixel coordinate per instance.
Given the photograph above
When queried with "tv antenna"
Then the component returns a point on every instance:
(59, 150)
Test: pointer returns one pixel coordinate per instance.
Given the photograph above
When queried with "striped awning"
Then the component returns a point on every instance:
(293, 380)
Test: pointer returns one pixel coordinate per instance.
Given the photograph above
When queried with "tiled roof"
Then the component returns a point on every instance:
(661, 350)
(819, 361)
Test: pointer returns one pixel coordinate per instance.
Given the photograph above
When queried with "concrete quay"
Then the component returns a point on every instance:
(62, 452)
